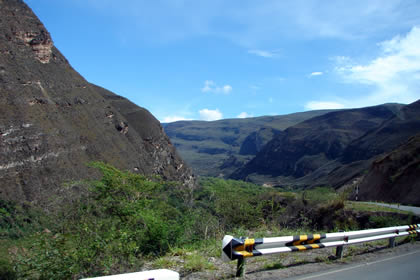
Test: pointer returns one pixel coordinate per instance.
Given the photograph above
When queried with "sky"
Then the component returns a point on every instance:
(217, 59)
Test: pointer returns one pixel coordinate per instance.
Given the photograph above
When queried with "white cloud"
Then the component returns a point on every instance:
(316, 74)
(319, 105)
(393, 75)
(210, 115)
(169, 119)
(227, 88)
(210, 86)
(244, 115)
(266, 54)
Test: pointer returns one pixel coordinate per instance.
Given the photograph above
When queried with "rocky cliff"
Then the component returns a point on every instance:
(52, 121)
(394, 176)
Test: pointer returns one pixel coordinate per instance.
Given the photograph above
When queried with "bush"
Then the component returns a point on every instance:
(376, 221)
(238, 204)
(6, 271)
(18, 219)
(123, 218)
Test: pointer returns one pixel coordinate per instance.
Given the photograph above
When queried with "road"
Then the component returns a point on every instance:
(404, 266)
(415, 210)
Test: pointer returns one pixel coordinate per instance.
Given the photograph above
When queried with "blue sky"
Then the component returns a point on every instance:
(213, 59)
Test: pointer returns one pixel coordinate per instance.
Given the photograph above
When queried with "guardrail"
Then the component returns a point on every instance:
(242, 248)
(158, 274)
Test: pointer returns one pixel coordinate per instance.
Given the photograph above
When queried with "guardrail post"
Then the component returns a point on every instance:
(240, 271)
(391, 243)
(339, 252)
(339, 249)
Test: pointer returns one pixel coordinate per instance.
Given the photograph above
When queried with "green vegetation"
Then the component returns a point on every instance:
(365, 207)
(205, 146)
(124, 220)
(17, 220)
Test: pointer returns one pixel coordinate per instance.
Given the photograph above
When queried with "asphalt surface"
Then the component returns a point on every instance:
(415, 210)
(404, 266)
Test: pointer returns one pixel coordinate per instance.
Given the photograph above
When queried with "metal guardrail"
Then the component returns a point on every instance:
(242, 248)
(159, 274)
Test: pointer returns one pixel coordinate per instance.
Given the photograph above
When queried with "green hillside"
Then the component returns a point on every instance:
(215, 148)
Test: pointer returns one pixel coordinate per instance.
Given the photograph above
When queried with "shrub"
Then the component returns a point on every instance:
(385, 221)
(6, 271)
(239, 204)
(123, 218)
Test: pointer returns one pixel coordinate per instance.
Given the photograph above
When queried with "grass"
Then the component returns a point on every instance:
(365, 207)
(273, 265)
(185, 261)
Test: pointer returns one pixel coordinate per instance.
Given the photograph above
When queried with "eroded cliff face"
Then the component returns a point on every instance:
(53, 122)
(394, 176)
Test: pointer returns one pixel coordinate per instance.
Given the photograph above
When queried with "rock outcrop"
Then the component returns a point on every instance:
(53, 122)
(394, 176)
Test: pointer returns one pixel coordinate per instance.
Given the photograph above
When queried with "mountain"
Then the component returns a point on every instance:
(394, 176)
(387, 136)
(53, 122)
(217, 148)
(317, 151)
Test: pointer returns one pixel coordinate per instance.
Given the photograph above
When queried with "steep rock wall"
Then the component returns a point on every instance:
(52, 121)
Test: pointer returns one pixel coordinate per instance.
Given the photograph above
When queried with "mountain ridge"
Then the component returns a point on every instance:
(310, 144)
(210, 146)
(298, 159)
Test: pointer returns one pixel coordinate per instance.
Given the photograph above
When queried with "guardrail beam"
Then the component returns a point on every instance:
(242, 248)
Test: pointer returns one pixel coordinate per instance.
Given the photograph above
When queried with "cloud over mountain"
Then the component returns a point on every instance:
(394, 75)
(210, 115)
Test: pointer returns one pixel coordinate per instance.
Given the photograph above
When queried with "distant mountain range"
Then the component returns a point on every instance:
(327, 148)
(217, 148)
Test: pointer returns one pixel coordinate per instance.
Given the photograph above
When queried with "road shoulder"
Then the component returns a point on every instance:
(318, 264)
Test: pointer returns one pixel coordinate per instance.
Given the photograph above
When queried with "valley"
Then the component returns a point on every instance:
(93, 184)
(321, 148)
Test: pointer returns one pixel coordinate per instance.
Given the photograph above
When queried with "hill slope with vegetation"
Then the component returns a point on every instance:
(313, 147)
(338, 149)
(127, 222)
(217, 148)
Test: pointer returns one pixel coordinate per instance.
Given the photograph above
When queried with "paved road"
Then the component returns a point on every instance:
(415, 210)
(405, 266)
